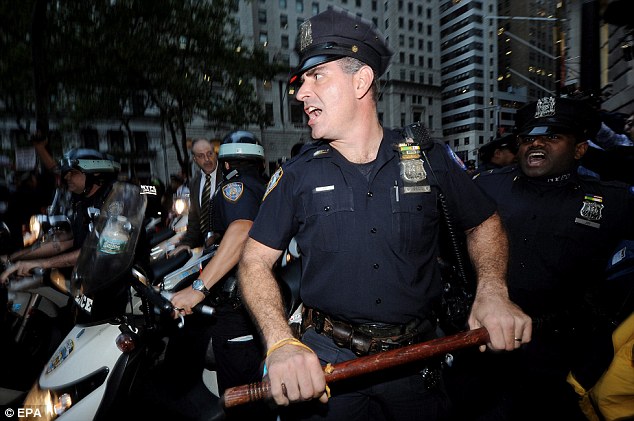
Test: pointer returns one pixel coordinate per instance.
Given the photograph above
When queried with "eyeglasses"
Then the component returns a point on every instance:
(549, 138)
(209, 155)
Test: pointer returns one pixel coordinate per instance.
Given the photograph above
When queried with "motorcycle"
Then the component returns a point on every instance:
(36, 319)
(35, 316)
(101, 363)
(165, 240)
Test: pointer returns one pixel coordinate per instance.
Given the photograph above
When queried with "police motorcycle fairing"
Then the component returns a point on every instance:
(81, 379)
(101, 363)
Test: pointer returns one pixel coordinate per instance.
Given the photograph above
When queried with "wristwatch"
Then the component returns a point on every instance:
(199, 285)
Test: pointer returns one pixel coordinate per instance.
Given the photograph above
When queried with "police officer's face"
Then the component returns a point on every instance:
(204, 156)
(328, 96)
(76, 181)
(549, 155)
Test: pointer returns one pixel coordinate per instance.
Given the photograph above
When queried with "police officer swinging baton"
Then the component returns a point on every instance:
(400, 356)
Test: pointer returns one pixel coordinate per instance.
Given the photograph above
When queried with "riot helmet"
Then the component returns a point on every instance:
(96, 166)
(240, 145)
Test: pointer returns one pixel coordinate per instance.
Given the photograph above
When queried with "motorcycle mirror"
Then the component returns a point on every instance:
(140, 276)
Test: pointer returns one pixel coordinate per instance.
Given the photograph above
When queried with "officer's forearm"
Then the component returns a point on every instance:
(62, 260)
(40, 250)
(261, 292)
(228, 252)
(488, 249)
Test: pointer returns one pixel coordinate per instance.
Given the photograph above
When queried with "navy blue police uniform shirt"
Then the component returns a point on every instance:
(561, 231)
(368, 250)
(237, 197)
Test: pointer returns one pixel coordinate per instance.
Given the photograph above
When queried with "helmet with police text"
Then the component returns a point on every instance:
(88, 161)
(240, 145)
(98, 167)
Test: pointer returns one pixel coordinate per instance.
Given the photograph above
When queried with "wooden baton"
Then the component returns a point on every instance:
(262, 390)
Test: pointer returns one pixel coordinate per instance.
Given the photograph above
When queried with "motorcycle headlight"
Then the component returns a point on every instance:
(180, 205)
(37, 225)
(57, 401)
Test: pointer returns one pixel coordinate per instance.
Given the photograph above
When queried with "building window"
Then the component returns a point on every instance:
(90, 138)
(297, 113)
(285, 42)
(264, 38)
(140, 141)
(284, 21)
(262, 16)
(268, 111)
(282, 4)
(315, 8)
(116, 142)
(299, 6)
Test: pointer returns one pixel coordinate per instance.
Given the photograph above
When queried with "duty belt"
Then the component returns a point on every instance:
(367, 338)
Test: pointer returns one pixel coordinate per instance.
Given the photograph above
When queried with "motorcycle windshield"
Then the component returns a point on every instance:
(107, 255)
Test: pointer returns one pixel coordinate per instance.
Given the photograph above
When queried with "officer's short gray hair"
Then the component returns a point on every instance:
(352, 65)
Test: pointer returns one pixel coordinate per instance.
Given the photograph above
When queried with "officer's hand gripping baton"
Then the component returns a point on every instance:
(262, 390)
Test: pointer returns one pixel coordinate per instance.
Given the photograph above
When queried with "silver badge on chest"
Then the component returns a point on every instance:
(412, 168)
(591, 211)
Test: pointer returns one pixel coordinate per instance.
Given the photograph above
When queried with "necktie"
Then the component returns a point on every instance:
(205, 210)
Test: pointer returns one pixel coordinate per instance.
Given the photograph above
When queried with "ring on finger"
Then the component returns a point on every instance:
(284, 391)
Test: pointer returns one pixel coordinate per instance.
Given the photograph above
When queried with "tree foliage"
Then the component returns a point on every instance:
(184, 57)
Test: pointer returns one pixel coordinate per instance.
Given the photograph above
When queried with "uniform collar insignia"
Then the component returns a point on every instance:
(321, 152)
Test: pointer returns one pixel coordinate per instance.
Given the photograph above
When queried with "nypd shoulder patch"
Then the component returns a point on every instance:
(233, 191)
(275, 178)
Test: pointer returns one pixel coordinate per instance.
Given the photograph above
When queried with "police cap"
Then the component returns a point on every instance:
(332, 34)
(507, 141)
(551, 115)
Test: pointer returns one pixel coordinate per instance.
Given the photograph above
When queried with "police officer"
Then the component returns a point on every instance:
(498, 153)
(562, 229)
(361, 204)
(88, 175)
(237, 350)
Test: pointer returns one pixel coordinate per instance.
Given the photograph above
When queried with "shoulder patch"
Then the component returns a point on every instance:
(275, 178)
(233, 191)
(455, 157)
